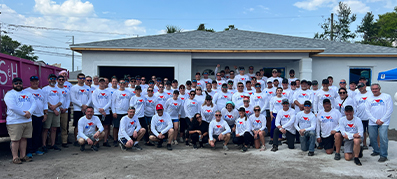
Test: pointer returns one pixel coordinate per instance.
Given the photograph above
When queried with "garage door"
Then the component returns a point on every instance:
(148, 72)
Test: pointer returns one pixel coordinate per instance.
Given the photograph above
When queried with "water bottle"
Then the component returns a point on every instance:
(200, 138)
(103, 117)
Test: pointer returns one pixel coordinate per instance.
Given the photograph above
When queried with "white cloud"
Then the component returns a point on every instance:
(67, 8)
(132, 22)
(263, 7)
(251, 9)
(355, 6)
(314, 4)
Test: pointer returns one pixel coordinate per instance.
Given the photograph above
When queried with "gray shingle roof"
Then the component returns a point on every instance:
(236, 40)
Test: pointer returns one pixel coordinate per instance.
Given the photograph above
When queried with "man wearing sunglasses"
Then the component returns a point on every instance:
(55, 101)
(305, 124)
(80, 95)
(189, 86)
(88, 82)
(102, 101)
(38, 116)
(238, 97)
(119, 105)
(64, 111)
(230, 87)
(143, 83)
(161, 96)
(222, 97)
(131, 87)
(20, 107)
(151, 85)
(218, 131)
(241, 77)
(205, 79)
(67, 84)
(275, 76)
(342, 84)
(161, 127)
(219, 80)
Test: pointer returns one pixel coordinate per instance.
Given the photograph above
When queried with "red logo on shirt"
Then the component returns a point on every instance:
(123, 94)
(219, 83)
(377, 100)
(287, 116)
(218, 126)
(225, 96)
(175, 104)
(328, 117)
(270, 92)
(161, 96)
(284, 93)
(230, 116)
(193, 102)
(350, 125)
(258, 121)
(279, 101)
(326, 95)
(132, 123)
(54, 91)
(65, 86)
(83, 90)
(169, 93)
(209, 111)
(305, 118)
(259, 97)
(150, 101)
(161, 120)
(304, 94)
(24, 96)
(242, 78)
(63, 92)
(90, 123)
(182, 98)
(141, 100)
(103, 94)
(247, 112)
(240, 122)
(364, 98)
(134, 92)
(250, 93)
(340, 105)
(37, 95)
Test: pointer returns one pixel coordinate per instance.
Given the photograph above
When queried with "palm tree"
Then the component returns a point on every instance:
(172, 29)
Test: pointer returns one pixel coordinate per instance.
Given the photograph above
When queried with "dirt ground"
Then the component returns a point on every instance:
(185, 162)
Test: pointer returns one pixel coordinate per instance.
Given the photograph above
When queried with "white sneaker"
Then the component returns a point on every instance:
(181, 140)
(225, 148)
(175, 142)
(263, 148)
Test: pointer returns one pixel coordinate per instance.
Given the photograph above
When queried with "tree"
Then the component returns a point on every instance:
(387, 24)
(341, 27)
(202, 27)
(230, 27)
(14, 48)
(172, 29)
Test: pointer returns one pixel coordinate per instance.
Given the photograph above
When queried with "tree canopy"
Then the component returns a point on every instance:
(14, 48)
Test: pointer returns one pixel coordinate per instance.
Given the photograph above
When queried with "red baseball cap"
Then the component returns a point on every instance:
(159, 106)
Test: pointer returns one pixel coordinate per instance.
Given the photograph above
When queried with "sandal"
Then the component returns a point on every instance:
(17, 161)
(26, 159)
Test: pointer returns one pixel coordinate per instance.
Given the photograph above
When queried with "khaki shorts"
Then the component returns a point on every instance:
(52, 121)
(18, 131)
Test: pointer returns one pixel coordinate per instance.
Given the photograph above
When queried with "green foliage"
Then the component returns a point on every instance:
(14, 48)
(230, 27)
(172, 29)
(202, 27)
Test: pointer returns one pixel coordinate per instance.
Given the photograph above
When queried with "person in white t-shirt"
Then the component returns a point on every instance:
(206, 80)
(114, 87)
(209, 90)
(161, 96)
(305, 124)
(285, 124)
(88, 133)
(331, 81)
(275, 104)
(343, 100)
(161, 127)
(242, 127)
(222, 97)
(230, 87)
(168, 91)
(208, 110)
(55, 101)
(353, 89)
(174, 107)
(20, 107)
(219, 80)
(323, 93)
(241, 77)
(291, 76)
(218, 131)
(350, 93)
(360, 100)
(130, 132)
(258, 127)
(102, 102)
(315, 87)
(275, 76)
(379, 108)
(238, 97)
(96, 81)
(64, 111)
(120, 104)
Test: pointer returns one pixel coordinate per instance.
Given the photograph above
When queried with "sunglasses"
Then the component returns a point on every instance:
(218, 115)
(123, 82)
(151, 83)
(306, 105)
(61, 79)
(257, 86)
(182, 88)
(342, 82)
(34, 78)
(132, 81)
(218, 75)
(198, 89)
(82, 78)
(161, 87)
(251, 68)
(257, 110)
(342, 92)
(240, 86)
(224, 86)
(52, 78)
(230, 83)
(18, 83)
(149, 90)
(192, 94)
(89, 80)
(158, 80)
(246, 101)
(143, 79)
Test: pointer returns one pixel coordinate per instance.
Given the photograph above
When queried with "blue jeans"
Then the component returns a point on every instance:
(384, 141)
(148, 120)
(308, 140)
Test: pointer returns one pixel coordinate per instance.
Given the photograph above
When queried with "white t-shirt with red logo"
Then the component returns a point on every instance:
(351, 127)
(17, 103)
(161, 124)
(243, 126)
(80, 95)
(229, 117)
(54, 96)
(150, 106)
(128, 126)
(41, 101)
(102, 99)
(161, 98)
(217, 128)
(327, 122)
(360, 100)
(275, 104)
(208, 112)
(173, 108)
(286, 120)
(221, 98)
(191, 107)
(258, 123)
(305, 121)
(121, 101)
(319, 98)
(340, 105)
(379, 107)
(139, 104)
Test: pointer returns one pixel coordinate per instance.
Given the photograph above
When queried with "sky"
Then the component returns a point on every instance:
(49, 25)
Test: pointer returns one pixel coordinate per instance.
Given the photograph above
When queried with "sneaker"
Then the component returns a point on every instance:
(94, 148)
(181, 140)
(169, 147)
(225, 148)
(50, 147)
(187, 143)
(29, 155)
(365, 147)
(160, 144)
(271, 142)
(137, 147)
(280, 143)
(123, 148)
(97, 145)
(297, 142)
(310, 154)
(149, 144)
(56, 148)
(263, 148)
(382, 159)
(76, 144)
(360, 155)
(320, 147)
(106, 144)
(337, 156)
(39, 152)
(175, 142)
(17, 161)
(65, 146)
(115, 144)
(26, 159)
(195, 146)
(357, 161)
(82, 147)
(201, 145)
(374, 154)
(213, 148)
(244, 149)
(274, 149)
(44, 148)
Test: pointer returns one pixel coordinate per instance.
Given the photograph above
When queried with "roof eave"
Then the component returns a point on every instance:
(355, 55)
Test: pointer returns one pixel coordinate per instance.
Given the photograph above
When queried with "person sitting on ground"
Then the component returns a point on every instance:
(130, 131)
(218, 131)
(161, 127)
(305, 124)
(87, 133)
(243, 130)
(285, 124)
(352, 131)
(258, 126)
(198, 131)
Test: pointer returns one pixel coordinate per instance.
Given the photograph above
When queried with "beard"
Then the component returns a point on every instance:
(17, 88)
(52, 83)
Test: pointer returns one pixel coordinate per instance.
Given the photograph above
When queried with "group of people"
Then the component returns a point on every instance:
(243, 108)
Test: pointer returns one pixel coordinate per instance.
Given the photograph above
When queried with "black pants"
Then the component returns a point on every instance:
(195, 138)
(290, 138)
(183, 125)
(297, 137)
(35, 142)
(245, 139)
(188, 125)
(142, 121)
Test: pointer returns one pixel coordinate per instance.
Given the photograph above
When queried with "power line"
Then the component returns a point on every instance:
(43, 46)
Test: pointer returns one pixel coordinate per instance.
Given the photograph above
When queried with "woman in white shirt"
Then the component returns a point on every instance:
(275, 106)
(242, 127)
(343, 100)
(174, 107)
(208, 109)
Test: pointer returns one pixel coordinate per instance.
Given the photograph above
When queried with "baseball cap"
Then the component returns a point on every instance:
(285, 81)
(360, 85)
(60, 76)
(258, 85)
(242, 109)
(307, 103)
(304, 81)
(16, 79)
(188, 82)
(138, 88)
(326, 101)
(269, 81)
(309, 83)
(285, 101)
(168, 83)
(208, 97)
(292, 71)
(241, 68)
(205, 73)
(230, 102)
(101, 79)
(34, 78)
(151, 82)
(159, 79)
(174, 81)
(227, 67)
(314, 82)
(362, 78)
(349, 108)
(274, 70)
(159, 107)
(194, 81)
(325, 81)
(52, 75)
(137, 76)
(230, 81)
(293, 83)
(275, 80)
(224, 84)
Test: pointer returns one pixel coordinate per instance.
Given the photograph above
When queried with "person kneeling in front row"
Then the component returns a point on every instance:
(218, 130)
(305, 124)
(130, 131)
(161, 127)
(198, 131)
(285, 124)
(87, 133)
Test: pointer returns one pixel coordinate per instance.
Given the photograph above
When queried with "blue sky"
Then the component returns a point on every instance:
(297, 18)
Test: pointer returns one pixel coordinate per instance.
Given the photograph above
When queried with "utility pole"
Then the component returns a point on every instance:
(332, 26)
(72, 54)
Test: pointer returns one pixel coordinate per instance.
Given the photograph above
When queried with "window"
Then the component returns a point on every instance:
(268, 71)
(356, 73)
